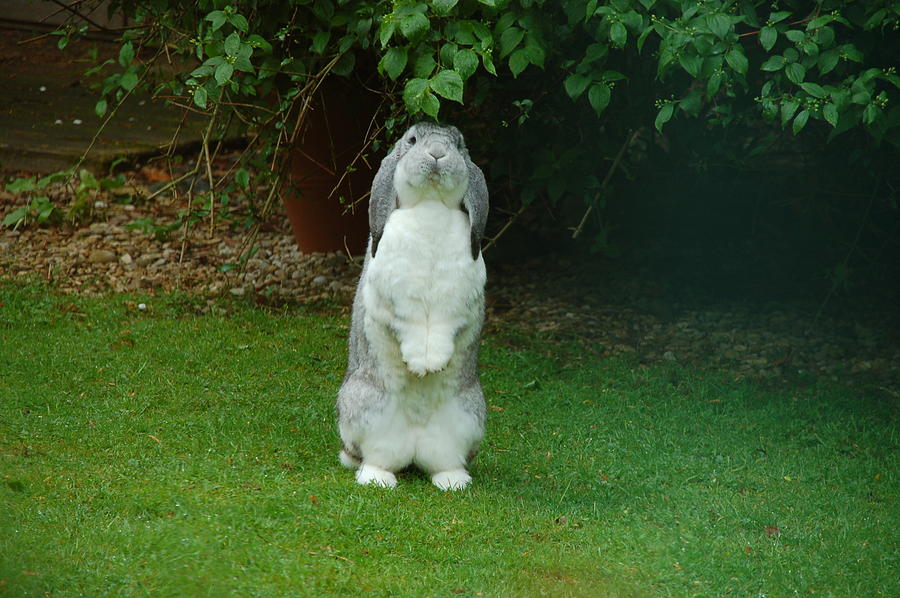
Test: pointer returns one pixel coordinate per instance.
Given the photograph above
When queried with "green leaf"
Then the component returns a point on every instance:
(618, 34)
(465, 62)
(394, 61)
(242, 63)
(775, 63)
(795, 35)
(200, 97)
(126, 55)
(242, 178)
(259, 43)
(320, 41)
(448, 51)
(871, 114)
(88, 179)
(232, 44)
(736, 60)
(488, 61)
(788, 109)
(413, 92)
(691, 64)
(509, 40)
(448, 84)
(16, 217)
(820, 21)
(129, 80)
(767, 37)
(777, 17)
(223, 73)
(800, 121)
(239, 22)
(827, 61)
(829, 111)
(204, 70)
(423, 65)
(21, 185)
(575, 85)
(814, 89)
(217, 18)
(599, 96)
(344, 65)
(386, 31)
(100, 107)
(664, 115)
(430, 104)
(442, 7)
(713, 85)
(719, 24)
(414, 26)
(534, 52)
(795, 72)
(518, 61)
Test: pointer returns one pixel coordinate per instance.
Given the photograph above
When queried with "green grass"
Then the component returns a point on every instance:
(165, 453)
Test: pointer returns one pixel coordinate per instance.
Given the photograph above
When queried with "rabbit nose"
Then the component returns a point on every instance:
(437, 151)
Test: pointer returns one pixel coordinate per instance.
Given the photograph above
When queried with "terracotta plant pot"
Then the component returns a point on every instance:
(324, 219)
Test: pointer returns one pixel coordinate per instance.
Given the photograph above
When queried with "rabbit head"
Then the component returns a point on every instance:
(429, 163)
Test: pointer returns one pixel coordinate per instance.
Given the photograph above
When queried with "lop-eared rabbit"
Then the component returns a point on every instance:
(411, 394)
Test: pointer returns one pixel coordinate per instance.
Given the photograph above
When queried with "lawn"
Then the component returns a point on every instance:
(165, 452)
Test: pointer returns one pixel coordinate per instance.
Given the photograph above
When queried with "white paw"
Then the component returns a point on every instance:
(455, 479)
(428, 356)
(429, 364)
(369, 474)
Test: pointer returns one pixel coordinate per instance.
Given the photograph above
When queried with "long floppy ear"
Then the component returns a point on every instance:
(383, 198)
(476, 203)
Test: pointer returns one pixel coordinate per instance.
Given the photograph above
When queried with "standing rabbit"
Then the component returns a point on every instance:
(411, 394)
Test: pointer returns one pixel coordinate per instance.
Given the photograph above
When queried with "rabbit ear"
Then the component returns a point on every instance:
(476, 203)
(383, 198)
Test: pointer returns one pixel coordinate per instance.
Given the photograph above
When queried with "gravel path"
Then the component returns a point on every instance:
(611, 313)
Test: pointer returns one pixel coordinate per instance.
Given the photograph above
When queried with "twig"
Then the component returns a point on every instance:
(68, 7)
(111, 114)
(513, 218)
(190, 192)
(846, 260)
(612, 169)
(800, 22)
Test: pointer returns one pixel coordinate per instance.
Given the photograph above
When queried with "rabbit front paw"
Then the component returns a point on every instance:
(426, 358)
(427, 364)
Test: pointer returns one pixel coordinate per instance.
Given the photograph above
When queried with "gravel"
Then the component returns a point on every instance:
(611, 313)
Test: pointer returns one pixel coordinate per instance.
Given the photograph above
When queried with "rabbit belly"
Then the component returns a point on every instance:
(424, 286)
(419, 426)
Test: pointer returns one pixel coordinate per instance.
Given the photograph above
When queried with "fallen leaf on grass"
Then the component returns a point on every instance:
(748, 550)
(772, 530)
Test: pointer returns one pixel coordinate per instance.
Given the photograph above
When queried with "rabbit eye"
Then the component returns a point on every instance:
(412, 139)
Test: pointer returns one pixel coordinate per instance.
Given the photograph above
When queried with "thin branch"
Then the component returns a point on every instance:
(495, 238)
(632, 135)
(111, 114)
(68, 7)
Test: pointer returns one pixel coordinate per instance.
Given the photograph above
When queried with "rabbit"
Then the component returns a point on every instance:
(411, 394)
